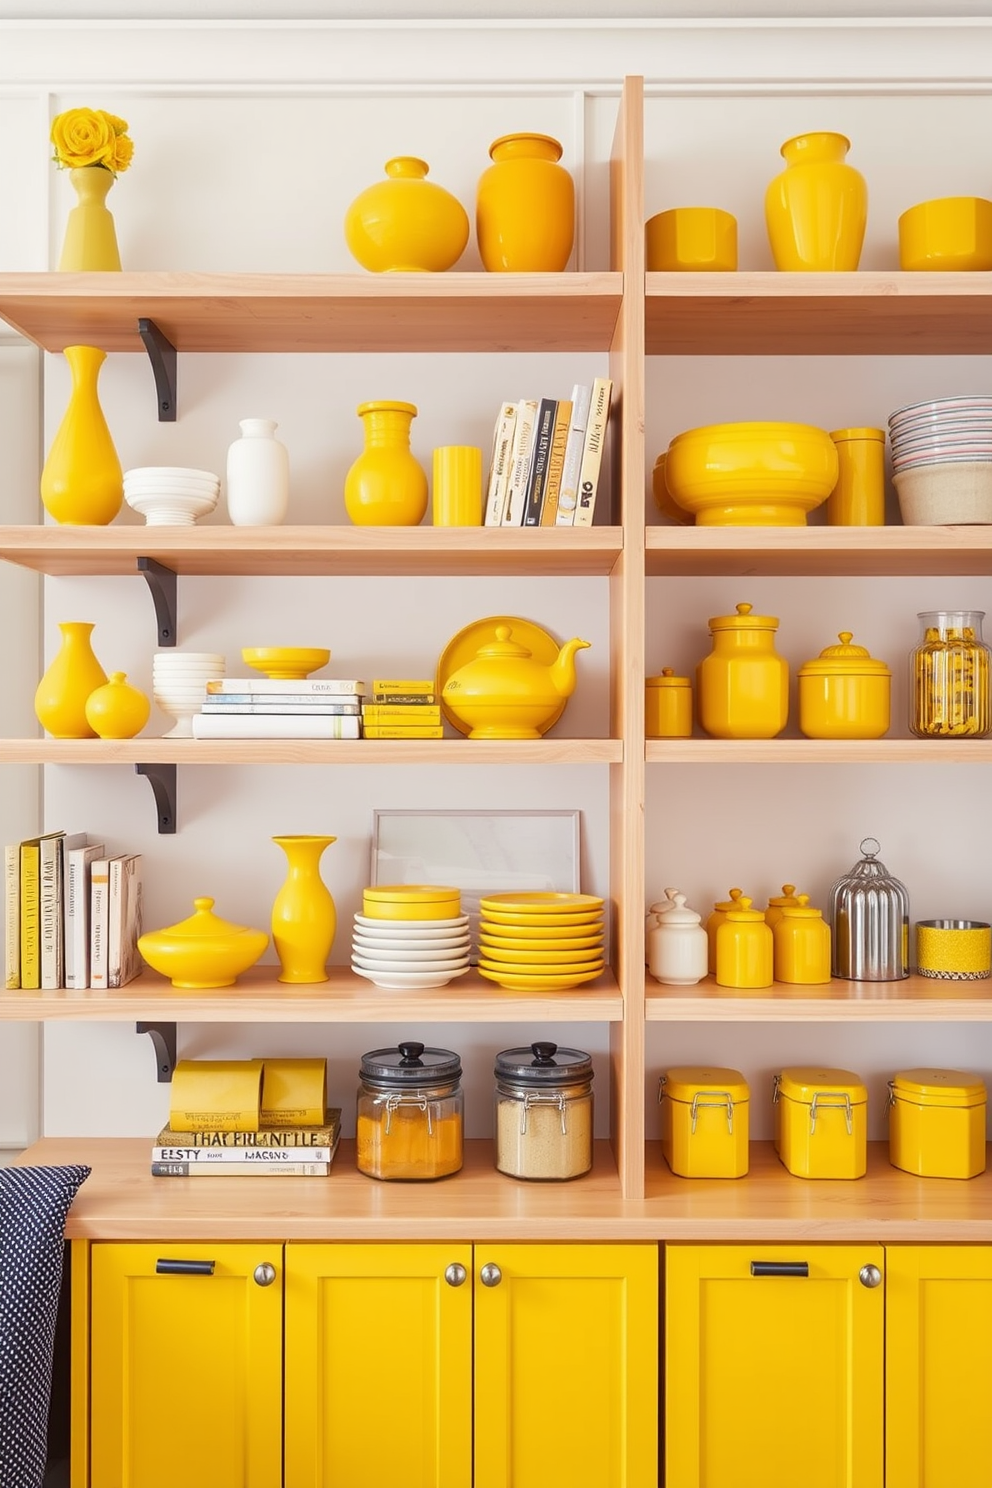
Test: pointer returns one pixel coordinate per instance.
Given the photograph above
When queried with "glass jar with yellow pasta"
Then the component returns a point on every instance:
(949, 677)
(410, 1113)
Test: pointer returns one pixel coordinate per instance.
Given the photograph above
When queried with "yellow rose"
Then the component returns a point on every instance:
(83, 137)
(123, 150)
(119, 126)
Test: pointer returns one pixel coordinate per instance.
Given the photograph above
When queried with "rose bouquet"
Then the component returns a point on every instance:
(83, 136)
(93, 146)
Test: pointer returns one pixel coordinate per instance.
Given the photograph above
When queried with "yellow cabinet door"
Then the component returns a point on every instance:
(938, 1336)
(378, 1366)
(186, 1366)
(773, 1366)
(566, 1366)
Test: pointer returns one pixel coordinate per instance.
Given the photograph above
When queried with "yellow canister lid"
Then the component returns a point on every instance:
(800, 1082)
(787, 896)
(840, 435)
(412, 894)
(937, 1087)
(742, 910)
(667, 678)
(845, 659)
(743, 620)
(685, 1081)
(723, 905)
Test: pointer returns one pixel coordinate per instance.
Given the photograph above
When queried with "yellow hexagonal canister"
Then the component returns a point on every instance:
(937, 1123)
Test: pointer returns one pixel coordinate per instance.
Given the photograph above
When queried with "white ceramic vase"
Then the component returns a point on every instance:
(257, 476)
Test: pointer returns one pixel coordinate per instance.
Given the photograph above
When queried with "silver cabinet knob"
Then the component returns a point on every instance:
(265, 1274)
(490, 1275)
(455, 1274)
(870, 1276)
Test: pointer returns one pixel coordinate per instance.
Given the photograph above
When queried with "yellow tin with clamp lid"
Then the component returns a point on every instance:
(937, 1123)
(821, 1122)
(704, 1121)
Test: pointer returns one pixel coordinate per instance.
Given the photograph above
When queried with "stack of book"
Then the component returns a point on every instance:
(271, 708)
(402, 709)
(300, 1151)
(72, 914)
(546, 459)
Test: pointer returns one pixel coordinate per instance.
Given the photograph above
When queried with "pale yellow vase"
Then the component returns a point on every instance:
(386, 486)
(816, 210)
(62, 694)
(82, 483)
(525, 206)
(90, 236)
(304, 918)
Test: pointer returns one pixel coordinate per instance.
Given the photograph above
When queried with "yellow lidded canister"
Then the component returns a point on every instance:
(821, 1122)
(937, 1123)
(667, 706)
(704, 1121)
(844, 693)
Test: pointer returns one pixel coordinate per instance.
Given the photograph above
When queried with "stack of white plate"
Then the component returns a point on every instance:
(942, 461)
(541, 942)
(402, 955)
(171, 495)
(179, 685)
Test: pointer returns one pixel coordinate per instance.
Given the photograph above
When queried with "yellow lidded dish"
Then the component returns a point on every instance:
(743, 684)
(844, 693)
(667, 706)
(412, 902)
(704, 1121)
(937, 1123)
(821, 1122)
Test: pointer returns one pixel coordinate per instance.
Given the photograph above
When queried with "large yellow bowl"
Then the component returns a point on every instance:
(291, 662)
(951, 232)
(751, 474)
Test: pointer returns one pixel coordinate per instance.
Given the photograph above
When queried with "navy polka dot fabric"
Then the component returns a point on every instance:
(34, 1203)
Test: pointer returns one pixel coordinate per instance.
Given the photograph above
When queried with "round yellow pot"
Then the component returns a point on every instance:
(386, 486)
(63, 692)
(90, 241)
(952, 232)
(743, 685)
(817, 208)
(525, 206)
(844, 693)
(82, 483)
(304, 917)
(751, 474)
(203, 951)
(700, 239)
(503, 693)
(117, 710)
(406, 223)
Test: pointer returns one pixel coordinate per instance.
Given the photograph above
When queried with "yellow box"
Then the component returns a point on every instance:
(412, 902)
(294, 1092)
(937, 1123)
(215, 1095)
(821, 1122)
(704, 1121)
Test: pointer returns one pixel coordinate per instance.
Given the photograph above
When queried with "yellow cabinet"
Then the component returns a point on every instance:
(938, 1338)
(186, 1366)
(774, 1366)
(566, 1366)
(378, 1366)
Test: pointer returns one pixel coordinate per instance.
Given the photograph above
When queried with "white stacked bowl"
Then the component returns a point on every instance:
(942, 461)
(405, 955)
(171, 495)
(179, 685)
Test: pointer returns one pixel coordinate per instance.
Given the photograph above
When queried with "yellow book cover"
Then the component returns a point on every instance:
(12, 914)
(219, 1094)
(403, 731)
(323, 1135)
(294, 1092)
(402, 713)
(413, 686)
(30, 915)
(556, 463)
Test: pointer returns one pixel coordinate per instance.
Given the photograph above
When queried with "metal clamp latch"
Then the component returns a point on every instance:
(538, 1098)
(420, 1101)
(825, 1100)
(717, 1098)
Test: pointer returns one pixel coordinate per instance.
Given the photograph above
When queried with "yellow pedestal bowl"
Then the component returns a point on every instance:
(751, 474)
(292, 663)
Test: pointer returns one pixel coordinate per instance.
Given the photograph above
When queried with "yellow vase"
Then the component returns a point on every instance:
(82, 483)
(117, 710)
(90, 237)
(816, 209)
(62, 694)
(525, 206)
(406, 223)
(386, 487)
(304, 918)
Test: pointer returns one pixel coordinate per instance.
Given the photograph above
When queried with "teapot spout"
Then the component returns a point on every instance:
(562, 673)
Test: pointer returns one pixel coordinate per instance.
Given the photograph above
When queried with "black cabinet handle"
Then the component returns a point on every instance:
(780, 1268)
(184, 1268)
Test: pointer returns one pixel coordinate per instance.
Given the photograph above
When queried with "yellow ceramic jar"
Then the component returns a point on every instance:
(82, 483)
(716, 919)
(802, 945)
(951, 232)
(525, 206)
(744, 948)
(704, 1121)
(743, 685)
(821, 1122)
(668, 706)
(202, 951)
(844, 693)
(816, 210)
(386, 486)
(777, 902)
(62, 694)
(937, 1123)
(691, 238)
(858, 498)
(406, 223)
(117, 710)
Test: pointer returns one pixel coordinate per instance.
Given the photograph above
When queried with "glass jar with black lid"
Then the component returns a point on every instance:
(410, 1113)
(544, 1109)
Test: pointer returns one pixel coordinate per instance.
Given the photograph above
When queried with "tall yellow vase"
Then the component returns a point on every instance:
(304, 918)
(817, 208)
(525, 206)
(61, 696)
(90, 236)
(386, 486)
(82, 483)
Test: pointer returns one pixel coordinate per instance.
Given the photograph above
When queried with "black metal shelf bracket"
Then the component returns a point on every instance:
(163, 1037)
(162, 583)
(162, 779)
(162, 355)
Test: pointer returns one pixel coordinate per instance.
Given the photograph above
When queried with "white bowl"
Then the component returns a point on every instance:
(946, 495)
(399, 981)
(172, 510)
(402, 926)
(167, 472)
(205, 658)
(137, 482)
(413, 960)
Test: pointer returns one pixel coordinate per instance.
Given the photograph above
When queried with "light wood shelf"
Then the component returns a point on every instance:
(259, 997)
(819, 551)
(917, 999)
(145, 750)
(780, 314)
(317, 312)
(307, 551)
(818, 751)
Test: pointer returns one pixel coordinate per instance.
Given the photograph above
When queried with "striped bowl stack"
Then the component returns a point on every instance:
(942, 461)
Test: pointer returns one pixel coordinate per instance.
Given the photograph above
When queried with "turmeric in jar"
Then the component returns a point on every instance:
(409, 1141)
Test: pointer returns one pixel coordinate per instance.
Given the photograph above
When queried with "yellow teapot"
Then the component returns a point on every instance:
(503, 693)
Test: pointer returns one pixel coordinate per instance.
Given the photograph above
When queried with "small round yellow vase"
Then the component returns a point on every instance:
(62, 694)
(525, 206)
(406, 223)
(117, 710)
(82, 483)
(90, 241)
(817, 208)
(386, 486)
(304, 918)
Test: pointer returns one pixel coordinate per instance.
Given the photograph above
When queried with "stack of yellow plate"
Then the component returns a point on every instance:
(540, 942)
(412, 902)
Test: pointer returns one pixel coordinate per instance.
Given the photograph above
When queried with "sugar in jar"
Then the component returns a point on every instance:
(543, 1112)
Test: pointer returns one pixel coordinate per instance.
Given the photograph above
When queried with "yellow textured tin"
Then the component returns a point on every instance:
(704, 1121)
(821, 1122)
(937, 1123)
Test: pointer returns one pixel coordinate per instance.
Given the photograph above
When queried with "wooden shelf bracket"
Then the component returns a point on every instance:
(162, 583)
(162, 779)
(162, 355)
(163, 1037)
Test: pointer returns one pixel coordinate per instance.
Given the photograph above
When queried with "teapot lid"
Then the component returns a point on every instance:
(845, 658)
(504, 646)
(743, 620)
(205, 923)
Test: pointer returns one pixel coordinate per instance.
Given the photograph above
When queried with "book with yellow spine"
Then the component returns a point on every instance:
(404, 731)
(322, 1135)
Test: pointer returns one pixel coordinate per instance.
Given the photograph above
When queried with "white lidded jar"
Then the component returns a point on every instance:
(678, 946)
(653, 916)
(257, 476)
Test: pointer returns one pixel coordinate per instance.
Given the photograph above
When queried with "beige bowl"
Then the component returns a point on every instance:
(946, 495)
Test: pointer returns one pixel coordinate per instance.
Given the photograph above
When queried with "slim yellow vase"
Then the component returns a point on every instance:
(90, 241)
(82, 483)
(304, 918)
(62, 694)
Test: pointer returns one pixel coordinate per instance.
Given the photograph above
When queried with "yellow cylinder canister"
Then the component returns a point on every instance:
(821, 1122)
(937, 1123)
(667, 706)
(744, 948)
(704, 1121)
(776, 902)
(743, 685)
(858, 499)
(716, 919)
(802, 945)
(844, 693)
